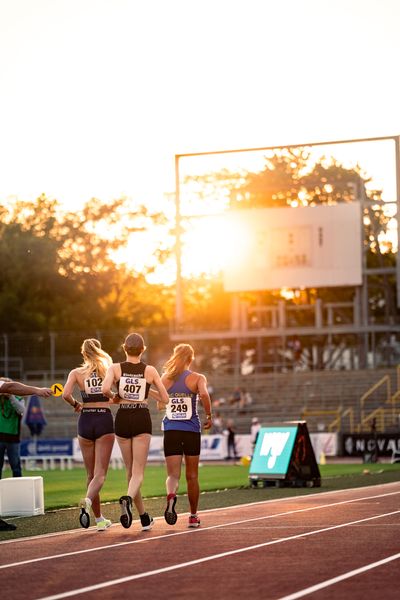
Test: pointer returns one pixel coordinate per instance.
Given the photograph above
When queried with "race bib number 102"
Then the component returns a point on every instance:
(179, 408)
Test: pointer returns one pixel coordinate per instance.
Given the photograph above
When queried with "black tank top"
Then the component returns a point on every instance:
(132, 385)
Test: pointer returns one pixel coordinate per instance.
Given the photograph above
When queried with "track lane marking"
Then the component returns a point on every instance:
(329, 582)
(99, 586)
(208, 510)
(191, 531)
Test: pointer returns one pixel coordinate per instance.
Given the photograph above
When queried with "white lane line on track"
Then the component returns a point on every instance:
(208, 510)
(190, 531)
(99, 586)
(222, 508)
(329, 582)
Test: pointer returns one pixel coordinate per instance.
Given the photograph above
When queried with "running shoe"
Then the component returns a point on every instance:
(103, 524)
(84, 517)
(147, 521)
(194, 521)
(126, 511)
(170, 515)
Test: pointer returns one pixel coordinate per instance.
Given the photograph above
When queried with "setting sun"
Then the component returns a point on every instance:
(212, 244)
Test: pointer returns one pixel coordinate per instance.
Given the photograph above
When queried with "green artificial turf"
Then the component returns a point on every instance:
(65, 488)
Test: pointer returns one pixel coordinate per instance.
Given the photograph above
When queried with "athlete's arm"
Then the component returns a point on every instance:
(155, 379)
(156, 396)
(205, 400)
(20, 389)
(67, 392)
(108, 382)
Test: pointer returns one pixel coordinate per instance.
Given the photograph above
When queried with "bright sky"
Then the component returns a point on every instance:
(97, 96)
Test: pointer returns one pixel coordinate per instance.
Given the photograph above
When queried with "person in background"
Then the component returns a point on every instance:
(236, 397)
(7, 386)
(231, 429)
(133, 426)
(218, 423)
(95, 426)
(182, 428)
(246, 399)
(11, 411)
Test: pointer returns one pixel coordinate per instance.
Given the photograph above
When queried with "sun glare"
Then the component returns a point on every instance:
(212, 244)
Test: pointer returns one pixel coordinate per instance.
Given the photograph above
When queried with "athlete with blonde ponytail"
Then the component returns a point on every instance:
(182, 428)
(95, 426)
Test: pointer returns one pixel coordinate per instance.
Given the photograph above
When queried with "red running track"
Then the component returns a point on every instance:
(330, 545)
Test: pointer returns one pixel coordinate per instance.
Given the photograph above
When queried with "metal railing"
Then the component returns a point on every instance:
(382, 415)
(321, 413)
(378, 420)
(337, 424)
(384, 381)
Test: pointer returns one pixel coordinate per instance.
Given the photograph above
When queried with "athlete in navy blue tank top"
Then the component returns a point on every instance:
(181, 412)
(182, 428)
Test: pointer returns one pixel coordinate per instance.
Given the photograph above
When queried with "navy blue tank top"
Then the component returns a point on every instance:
(181, 412)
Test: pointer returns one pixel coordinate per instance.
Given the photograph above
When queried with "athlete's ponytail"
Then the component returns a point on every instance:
(94, 357)
(175, 365)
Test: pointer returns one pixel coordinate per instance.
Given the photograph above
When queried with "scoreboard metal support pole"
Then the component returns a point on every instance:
(178, 249)
(397, 145)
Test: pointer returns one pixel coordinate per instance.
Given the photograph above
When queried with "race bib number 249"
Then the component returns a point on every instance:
(179, 408)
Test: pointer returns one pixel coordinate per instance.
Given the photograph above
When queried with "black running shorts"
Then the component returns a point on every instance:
(182, 442)
(95, 422)
(130, 422)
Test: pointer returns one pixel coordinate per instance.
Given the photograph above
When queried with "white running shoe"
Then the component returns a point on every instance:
(103, 524)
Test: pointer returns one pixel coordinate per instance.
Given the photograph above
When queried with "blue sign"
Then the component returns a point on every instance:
(56, 447)
(273, 451)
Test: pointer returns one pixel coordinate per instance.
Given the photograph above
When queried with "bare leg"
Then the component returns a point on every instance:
(88, 452)
(138, 501)
(103, 449)
(174, 466)
(134, 453)
(140, 451)
(125, 445)
(192, 478)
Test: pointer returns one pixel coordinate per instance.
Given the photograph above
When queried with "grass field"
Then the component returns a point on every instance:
(221, 485)
(64, 488)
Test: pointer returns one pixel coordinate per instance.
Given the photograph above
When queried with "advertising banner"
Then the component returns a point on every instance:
(284, 452)
(52, 447)
(213, 447)
(380, 444)
(326, 443)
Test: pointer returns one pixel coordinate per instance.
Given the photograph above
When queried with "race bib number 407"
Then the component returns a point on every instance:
(132, 388)
(179, 408)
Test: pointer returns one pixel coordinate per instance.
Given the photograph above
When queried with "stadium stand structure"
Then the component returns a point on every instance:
(316, 397)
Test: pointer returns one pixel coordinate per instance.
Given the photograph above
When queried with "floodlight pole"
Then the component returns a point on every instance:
(178, 248)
